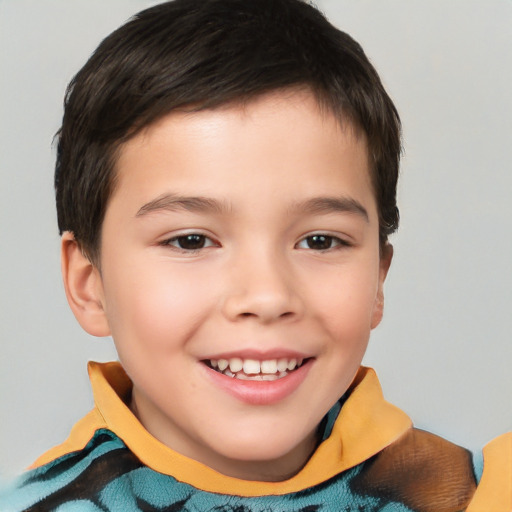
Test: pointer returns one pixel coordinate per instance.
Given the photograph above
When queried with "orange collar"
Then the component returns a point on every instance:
(366, 425)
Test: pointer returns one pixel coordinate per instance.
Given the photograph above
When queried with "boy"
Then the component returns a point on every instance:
(225, 201)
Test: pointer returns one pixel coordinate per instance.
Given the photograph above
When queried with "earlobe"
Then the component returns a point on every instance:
(84, 287)
(385, 262)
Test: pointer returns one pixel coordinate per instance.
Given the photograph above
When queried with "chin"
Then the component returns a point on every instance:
(258, 448)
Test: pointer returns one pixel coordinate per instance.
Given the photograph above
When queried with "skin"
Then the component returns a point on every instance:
(260, 283)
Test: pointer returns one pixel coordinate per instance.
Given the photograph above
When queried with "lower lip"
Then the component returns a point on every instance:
(261, 392)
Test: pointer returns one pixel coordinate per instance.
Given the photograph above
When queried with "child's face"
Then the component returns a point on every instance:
(242, 234)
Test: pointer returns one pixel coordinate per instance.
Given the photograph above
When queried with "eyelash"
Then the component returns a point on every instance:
(204, 242)
(334, 242)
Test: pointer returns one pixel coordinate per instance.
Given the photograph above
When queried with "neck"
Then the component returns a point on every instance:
(277, 469)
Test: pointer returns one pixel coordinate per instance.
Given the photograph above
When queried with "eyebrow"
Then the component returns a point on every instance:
(326, 205)
(173, 203)
(199, 204)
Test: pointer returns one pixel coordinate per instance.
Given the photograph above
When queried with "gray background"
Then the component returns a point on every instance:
(444, 350)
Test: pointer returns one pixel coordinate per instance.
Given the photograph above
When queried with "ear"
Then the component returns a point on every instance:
(385, 262)
(84, 287)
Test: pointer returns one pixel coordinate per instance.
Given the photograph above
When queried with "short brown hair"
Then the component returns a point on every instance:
(202, 54)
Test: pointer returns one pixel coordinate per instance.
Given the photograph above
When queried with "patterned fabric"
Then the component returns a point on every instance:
(416, 472)
(106, 476)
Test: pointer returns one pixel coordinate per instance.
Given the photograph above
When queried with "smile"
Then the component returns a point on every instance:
(252, 369)
(258, 381)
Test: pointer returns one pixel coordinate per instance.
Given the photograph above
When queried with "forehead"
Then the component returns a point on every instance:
(279, 142)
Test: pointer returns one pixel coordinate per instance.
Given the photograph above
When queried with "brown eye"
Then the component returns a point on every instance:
(190, 242)
(319, 242)
(322, 242)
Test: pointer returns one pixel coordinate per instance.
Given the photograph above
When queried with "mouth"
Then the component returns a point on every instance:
(254, 369)
(258, 381)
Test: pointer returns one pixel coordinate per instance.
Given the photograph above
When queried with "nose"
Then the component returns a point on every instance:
(262, 287)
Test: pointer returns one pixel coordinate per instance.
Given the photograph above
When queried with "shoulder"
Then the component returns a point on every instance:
(494, 493)
(421, 470)
(76, 475)
(428, 473)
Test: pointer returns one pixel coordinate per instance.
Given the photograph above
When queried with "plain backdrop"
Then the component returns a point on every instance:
(444, 350)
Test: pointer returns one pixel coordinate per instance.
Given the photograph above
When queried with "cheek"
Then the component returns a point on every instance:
(345, 303)
(154, 306)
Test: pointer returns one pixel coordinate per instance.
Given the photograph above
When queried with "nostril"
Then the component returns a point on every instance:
(286, 314)
(265, 306)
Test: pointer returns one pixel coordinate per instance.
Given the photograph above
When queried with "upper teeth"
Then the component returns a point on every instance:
(253, 366)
